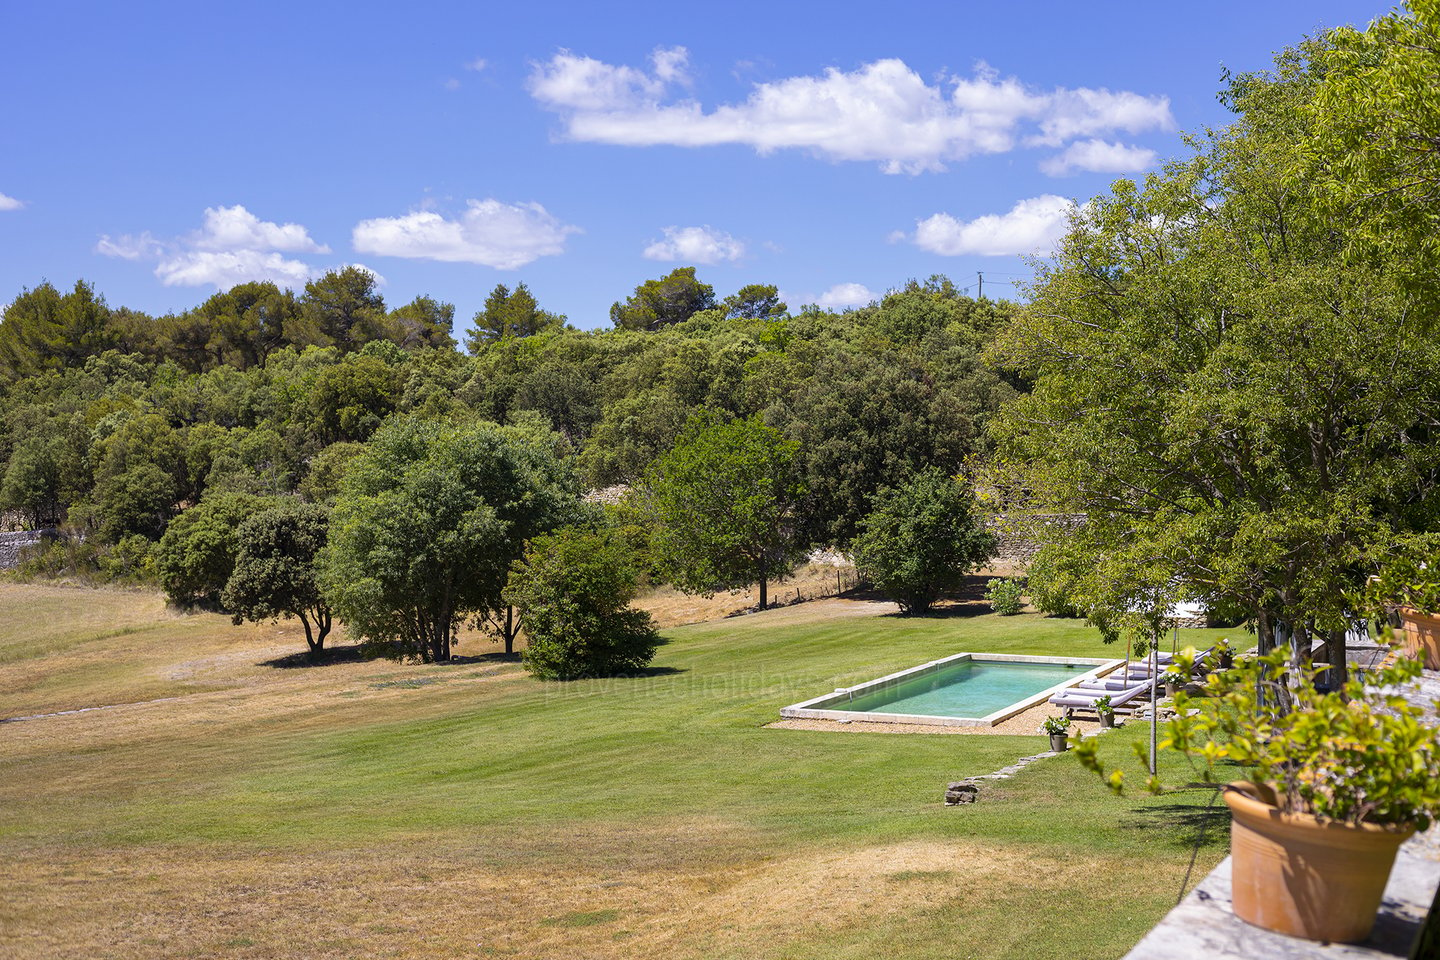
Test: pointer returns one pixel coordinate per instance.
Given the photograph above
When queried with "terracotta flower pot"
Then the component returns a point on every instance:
(1300, 876)
(1422, 635)
(1057, 742)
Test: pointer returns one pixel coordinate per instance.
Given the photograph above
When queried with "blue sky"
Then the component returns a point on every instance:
(163, 151)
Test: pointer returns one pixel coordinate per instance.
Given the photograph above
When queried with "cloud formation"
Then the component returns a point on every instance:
(232, 246)
(701, 245)
(1098, 156)
(882, 112)
(847, 295)
(1032, 226)
(10, 203)
(505, 236)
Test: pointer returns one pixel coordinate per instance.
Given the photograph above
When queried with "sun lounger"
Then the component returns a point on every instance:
(1121, 701)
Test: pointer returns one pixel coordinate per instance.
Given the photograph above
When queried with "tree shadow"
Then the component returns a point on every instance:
(1183, 825)
(499, 656)
(658, 672)
(325, 658)
(945, 611)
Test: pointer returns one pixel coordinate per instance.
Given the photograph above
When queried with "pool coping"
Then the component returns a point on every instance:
(818, 708)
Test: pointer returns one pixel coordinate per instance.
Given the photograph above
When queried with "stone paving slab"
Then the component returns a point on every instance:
(1204, 925)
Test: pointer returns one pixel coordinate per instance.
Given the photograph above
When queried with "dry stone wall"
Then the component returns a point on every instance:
(1020, 537)
(12, 543)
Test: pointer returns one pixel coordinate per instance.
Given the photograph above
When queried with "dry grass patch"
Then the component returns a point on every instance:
(161, 903)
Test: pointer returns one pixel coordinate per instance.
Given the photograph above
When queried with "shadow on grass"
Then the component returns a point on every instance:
(325, 658)
(1183, 824)
(945, 611)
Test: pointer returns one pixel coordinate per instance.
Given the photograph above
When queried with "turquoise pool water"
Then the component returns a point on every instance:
(965, 689)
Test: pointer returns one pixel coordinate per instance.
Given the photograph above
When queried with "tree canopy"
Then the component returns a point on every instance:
(275, 569)
(427, 524)
(725, 501)
(673, 298)
(1242, 409)
(923, 537)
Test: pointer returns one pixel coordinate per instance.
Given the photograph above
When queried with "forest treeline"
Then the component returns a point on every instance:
(113, 422)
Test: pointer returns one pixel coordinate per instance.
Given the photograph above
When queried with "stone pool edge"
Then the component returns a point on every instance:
(817, 708)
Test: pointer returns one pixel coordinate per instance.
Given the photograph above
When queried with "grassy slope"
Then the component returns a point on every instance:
(645, 817)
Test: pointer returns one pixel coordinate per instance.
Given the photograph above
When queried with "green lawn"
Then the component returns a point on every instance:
(667, 786)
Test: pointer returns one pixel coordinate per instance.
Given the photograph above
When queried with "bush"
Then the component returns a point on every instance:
(921, 539)
(1005, 596)
(573, 589)
(1050, 585)
(196, 555)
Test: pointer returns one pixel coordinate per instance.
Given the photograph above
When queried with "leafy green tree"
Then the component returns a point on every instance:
(196, 556)
(275, 569)
(423, 322)
(634, 431)
(327, 471)
(510, 313)
(756, 301)
(34, 481)
(1373, 139)
(428, 522)
(43, 329)
(922, 538)
(573, 590)
(344, 308)
(1242, 411)
(138, 500)
(673, 298)
(724, 502)
(350, 399)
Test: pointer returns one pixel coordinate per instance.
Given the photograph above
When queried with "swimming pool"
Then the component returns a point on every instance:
(967, 689)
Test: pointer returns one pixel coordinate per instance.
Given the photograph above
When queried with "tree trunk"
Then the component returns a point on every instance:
(509, 630)
(310, 637)
(762, 592)
(1337, 655)
(322, 617)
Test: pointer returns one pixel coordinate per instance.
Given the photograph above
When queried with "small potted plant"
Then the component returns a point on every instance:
(1059, 730)
(1224, 654)
(1410, 581)
(1173, 680)
(1105, 712)
(1333, 785)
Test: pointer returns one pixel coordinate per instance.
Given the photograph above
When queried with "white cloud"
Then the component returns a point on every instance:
(1032, 226)
(476, 65)
(502, 235)
(235, 228)
(130, 246)
(232, 246)
(881, 112)
(10, 203)
(452, 84)
(847, 295)
(695, 245)
(1098, 156)
(224, 269)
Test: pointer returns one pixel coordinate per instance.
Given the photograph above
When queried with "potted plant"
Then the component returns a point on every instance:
(1059, 730)
(1410, 581)
(1173, 680)
(1333, 786)
(1224, 654)
(1105, 712)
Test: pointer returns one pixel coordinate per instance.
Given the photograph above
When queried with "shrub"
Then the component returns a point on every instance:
(274, 572)
(921, 539)
(1005, 596)
(573, 589)
(1050, 584)
(196, 555)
